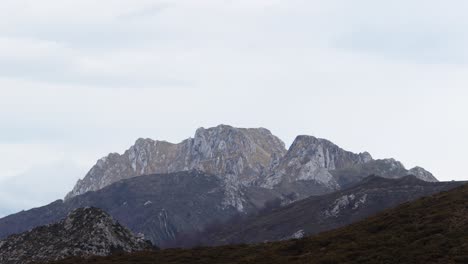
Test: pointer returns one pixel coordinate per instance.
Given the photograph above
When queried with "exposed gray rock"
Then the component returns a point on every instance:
(84, 232)
(243, 157)
(238, 155)
(422, 174)
(311, 158)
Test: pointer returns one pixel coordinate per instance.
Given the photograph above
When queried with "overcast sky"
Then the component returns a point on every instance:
(80, 79)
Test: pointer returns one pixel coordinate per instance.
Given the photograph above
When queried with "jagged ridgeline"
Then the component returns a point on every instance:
(237, 155)
(248, 157)
(166, 190)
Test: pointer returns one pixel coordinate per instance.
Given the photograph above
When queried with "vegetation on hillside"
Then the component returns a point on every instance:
(429, 230)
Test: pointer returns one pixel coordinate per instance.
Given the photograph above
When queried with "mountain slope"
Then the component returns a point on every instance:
(429, 230)
(320, 213)
(160, 206)
(168, 207)
(84, 232)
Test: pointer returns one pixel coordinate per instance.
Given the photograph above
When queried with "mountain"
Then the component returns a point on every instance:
(310, 158)
(171, 208)
(84, 232)
(237, 155)
(429, 230)
(160, 206)
(321, 213)
(166, 190)
(387, 168)
(240, 157)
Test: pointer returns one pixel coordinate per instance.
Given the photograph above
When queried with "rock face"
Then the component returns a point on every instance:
(84, 232)
(314, 166)
(311, 158)
(238, 155)
(422, 174)
(321, 213)
(243, 157)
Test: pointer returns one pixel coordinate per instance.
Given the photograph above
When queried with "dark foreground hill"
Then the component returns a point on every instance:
(84, 232)
(429, 230)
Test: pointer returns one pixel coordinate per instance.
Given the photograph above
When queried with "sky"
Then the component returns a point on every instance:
(81, 79)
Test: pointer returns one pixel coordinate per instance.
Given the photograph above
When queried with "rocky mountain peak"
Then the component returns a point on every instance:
(311, 158)
(243, 157)
(365, 156)
(422, 174)
(227, 136)
(84, 232)
(245, 153)
(310, 146)
(239, 155)
(396, 168)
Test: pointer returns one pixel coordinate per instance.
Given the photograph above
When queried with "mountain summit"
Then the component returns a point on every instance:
(242, 157)
(234, 154)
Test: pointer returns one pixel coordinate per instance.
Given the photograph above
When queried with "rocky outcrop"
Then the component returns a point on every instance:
(242, 157)
(311, 158)
(84, 232)
(422, 174)
(238, 155)
(246, 157)
(331, 167)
